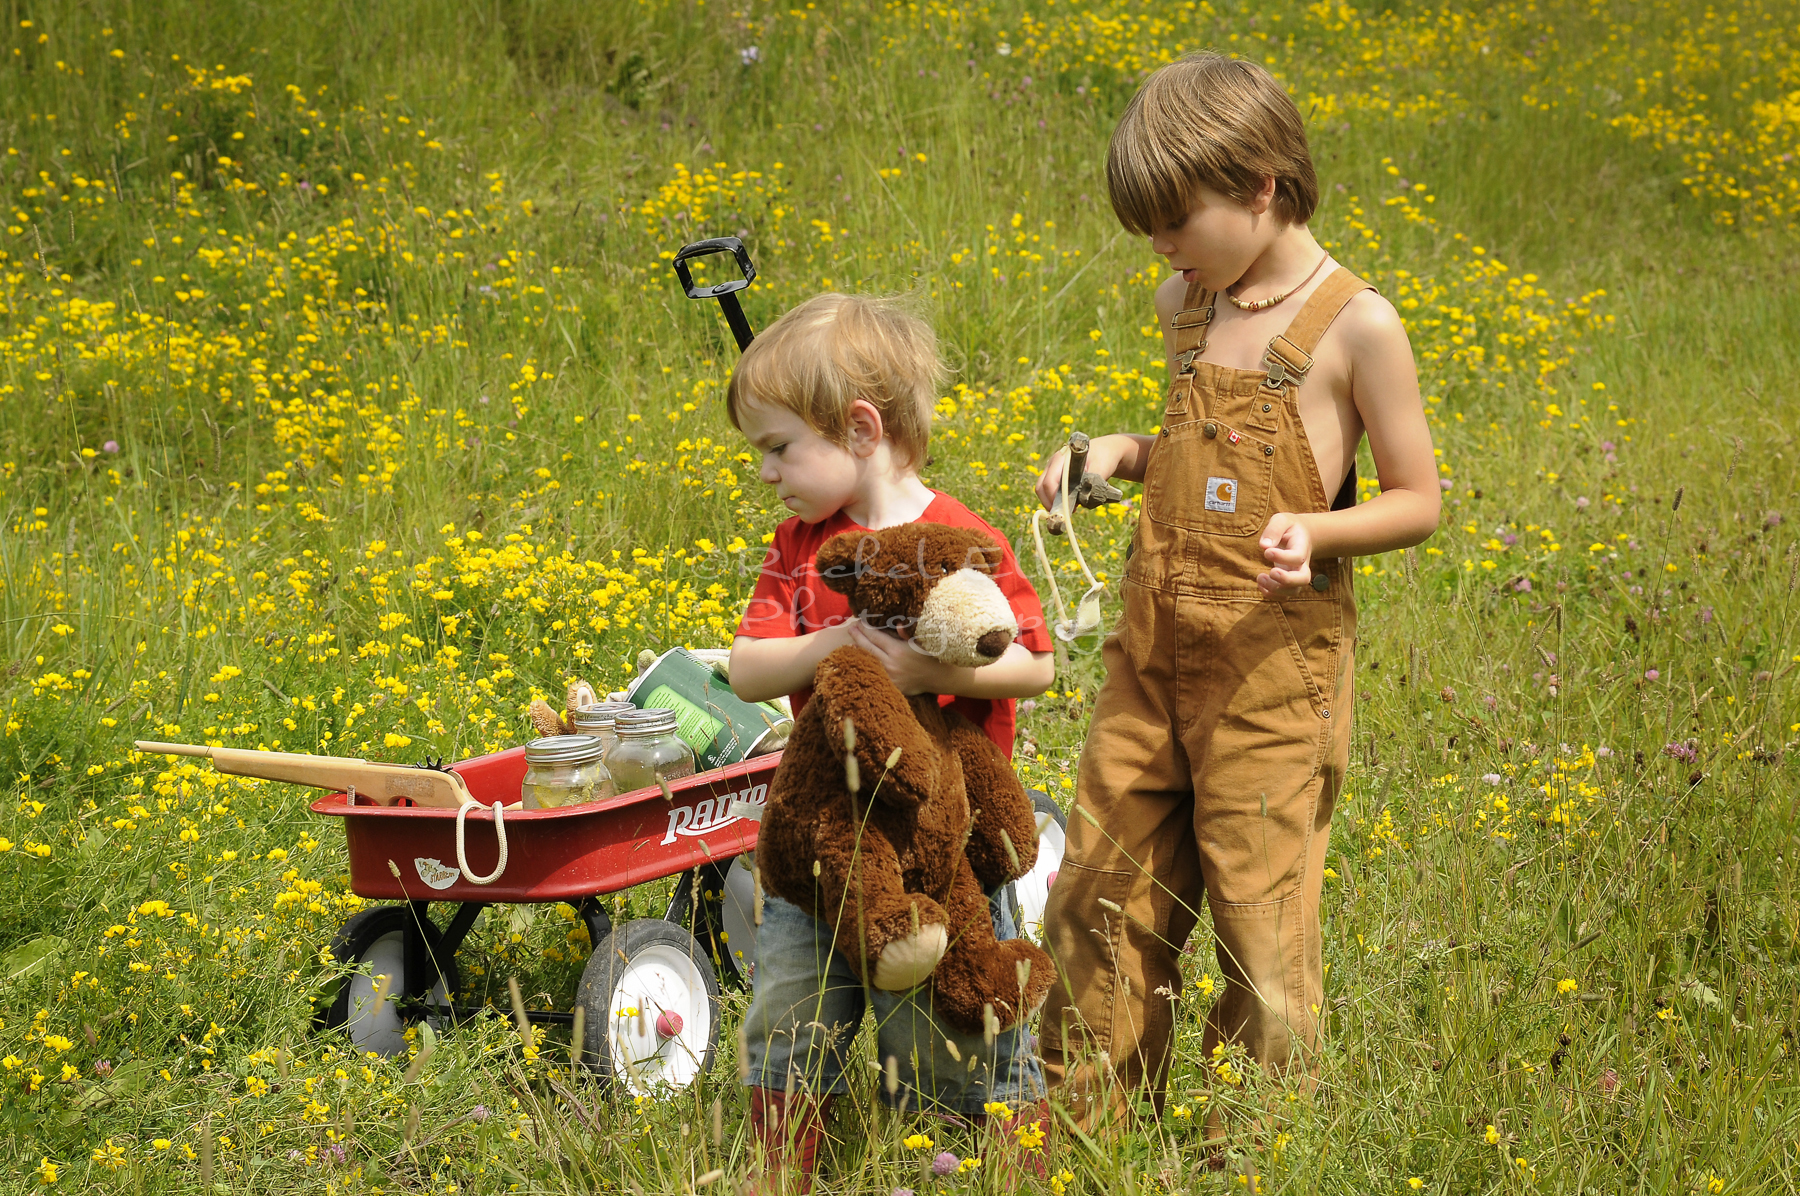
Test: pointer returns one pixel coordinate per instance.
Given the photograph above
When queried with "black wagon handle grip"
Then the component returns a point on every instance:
(725, 292)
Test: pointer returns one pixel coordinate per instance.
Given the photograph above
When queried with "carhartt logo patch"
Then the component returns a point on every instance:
(1221, 494)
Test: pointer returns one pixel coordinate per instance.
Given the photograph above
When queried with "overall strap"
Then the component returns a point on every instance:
(1289, 356)
(1190, 325)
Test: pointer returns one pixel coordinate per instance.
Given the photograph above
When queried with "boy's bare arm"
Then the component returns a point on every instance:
(1384, 387)
(1019, 673)
(762, 669)
(769, 668)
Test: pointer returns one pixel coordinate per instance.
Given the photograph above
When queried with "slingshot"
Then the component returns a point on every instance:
(1091, 491)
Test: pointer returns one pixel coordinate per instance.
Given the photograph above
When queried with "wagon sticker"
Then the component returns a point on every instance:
(435, 873)
(709, 814)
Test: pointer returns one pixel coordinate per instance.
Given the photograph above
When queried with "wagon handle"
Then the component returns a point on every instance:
(725, 292)
(382, 783)
(462, 858)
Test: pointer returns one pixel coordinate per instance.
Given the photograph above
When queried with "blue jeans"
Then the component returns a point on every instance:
(808, 1006)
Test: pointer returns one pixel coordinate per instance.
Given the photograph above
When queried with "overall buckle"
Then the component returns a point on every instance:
(1286, 362)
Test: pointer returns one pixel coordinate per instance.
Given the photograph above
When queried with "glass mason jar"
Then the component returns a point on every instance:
(565, 770)
(596, 719)
(649, 749)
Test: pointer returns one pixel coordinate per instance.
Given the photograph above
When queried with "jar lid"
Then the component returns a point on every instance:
(644, 722)
(564, 749)
(598, 716)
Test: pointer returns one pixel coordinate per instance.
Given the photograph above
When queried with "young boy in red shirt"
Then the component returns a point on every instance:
(837, 396)
(1219, 741)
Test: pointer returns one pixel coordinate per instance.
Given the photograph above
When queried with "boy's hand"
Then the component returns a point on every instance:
(1287, 546)
(1104, 456)
(911, 671)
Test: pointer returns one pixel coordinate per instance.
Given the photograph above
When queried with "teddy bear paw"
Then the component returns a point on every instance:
(906, 963)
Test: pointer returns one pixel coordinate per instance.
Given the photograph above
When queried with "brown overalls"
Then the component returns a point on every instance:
(1218, 743)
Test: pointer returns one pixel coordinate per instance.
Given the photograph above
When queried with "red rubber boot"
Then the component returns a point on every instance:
(789, 1128)
(1019, 1143)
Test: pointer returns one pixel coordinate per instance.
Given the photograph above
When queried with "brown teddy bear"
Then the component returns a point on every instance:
(893, 849)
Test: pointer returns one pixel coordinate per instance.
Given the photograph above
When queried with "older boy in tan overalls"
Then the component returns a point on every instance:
(1221, 735)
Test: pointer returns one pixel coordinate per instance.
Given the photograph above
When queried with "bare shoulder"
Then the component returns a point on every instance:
(1170, 294)
(1378, 359)
(1370, 325)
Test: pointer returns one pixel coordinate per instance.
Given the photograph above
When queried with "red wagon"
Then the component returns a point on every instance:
(650, 992)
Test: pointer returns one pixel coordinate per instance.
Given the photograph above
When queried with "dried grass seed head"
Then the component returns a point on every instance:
(1207, 120)
(822, 356)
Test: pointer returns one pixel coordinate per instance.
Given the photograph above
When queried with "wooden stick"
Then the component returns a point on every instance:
(384, 784)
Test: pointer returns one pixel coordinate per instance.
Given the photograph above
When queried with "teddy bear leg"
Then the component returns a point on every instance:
(979, 970)
(893, 938)
(1003, 813)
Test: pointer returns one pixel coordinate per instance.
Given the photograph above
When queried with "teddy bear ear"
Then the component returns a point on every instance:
(975, 550)
(843, 558)
(985, 556)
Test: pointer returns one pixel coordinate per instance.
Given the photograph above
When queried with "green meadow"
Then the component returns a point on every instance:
(348, 402)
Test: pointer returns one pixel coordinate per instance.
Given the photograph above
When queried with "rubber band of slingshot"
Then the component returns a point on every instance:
(1064, 628)
(462, 857)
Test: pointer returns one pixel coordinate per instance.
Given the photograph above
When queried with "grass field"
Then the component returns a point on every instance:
(347, 402)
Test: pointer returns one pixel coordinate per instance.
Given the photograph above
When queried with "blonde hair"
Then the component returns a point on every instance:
(1209, 120)
(832, 350)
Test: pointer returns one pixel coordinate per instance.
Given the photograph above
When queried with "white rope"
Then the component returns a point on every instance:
(1088, 614)
(462, 857)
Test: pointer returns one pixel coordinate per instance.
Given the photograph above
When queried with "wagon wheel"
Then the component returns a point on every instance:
(1029, 894)
(373, 942)
(725, 921)
(651, 1006)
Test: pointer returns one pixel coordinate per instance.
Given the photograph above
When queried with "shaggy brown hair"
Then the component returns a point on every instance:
(1208, 120)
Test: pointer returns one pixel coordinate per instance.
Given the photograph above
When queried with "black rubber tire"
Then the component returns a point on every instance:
(649, 966)
(1042, 803)
(377, 931)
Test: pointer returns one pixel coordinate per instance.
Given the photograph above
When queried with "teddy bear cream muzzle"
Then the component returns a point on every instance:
(966, 620)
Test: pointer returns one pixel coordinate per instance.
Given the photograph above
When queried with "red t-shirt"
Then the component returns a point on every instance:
(790, 599)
